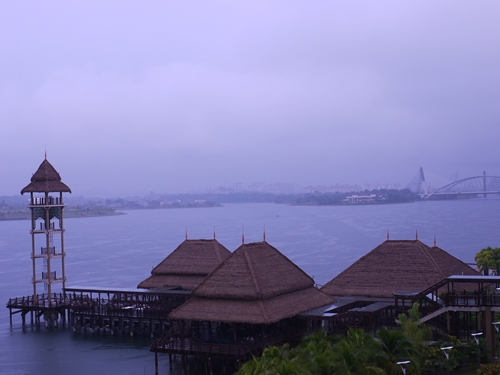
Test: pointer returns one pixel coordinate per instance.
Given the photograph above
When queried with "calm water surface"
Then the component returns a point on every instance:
(120, 251)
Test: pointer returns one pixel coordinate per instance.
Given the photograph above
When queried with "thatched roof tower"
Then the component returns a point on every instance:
(46, 179)
(256, 284)
(396, 266)
(47, 223)
(187, 266)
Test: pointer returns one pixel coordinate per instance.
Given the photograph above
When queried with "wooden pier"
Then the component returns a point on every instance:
(106, 310)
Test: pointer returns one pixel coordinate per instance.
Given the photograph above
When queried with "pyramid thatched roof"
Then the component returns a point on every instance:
(256, 284)
(46, 179)
(396, 266)
(187, 266)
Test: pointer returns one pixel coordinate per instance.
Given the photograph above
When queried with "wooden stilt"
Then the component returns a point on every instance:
(156, 363)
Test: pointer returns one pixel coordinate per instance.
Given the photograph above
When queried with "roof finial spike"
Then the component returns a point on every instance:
(242, 235)
(264, 232)
(186, 233)
(214, 233)
(388, 237)
(435, 241)
(416, 234)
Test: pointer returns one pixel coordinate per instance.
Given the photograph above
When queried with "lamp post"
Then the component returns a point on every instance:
(475, 335)
(446, 352)
(497, 327)
(402, 364)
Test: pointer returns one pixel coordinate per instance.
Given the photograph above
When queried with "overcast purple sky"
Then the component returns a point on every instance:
(169, 96)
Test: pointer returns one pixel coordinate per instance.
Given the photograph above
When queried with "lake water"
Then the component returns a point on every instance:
(120, 251)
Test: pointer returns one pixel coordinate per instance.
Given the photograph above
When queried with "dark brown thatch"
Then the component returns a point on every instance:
(396, 266)
(187, 266)
(256, 284)
(46, 179)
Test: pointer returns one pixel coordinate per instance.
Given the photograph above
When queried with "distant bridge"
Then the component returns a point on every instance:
(470, 187)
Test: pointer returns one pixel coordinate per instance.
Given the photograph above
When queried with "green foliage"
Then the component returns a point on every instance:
(394, 347)
(355, 354)
(435, 358)
(359, 353)
(274, 361)
(488, 259)
(316, 353)
(489, 370)
(411, 327)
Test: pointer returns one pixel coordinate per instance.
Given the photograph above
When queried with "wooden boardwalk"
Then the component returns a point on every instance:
(242, 350)
(132, 311)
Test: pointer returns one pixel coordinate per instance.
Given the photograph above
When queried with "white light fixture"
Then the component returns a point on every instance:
(445, 350)
(496, 324)
(475, 336)
(402, 364)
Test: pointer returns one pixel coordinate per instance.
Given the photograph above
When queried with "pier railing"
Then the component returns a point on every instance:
(86, 305)
(244, 349)
(38, 301)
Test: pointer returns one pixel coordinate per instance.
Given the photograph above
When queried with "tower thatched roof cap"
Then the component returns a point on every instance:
(46, 179)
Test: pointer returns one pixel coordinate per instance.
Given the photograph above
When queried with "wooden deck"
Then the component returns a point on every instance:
(116, 310)
(243, 350)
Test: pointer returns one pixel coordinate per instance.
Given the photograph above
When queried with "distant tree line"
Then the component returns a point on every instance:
(155, 200)
(381, 196)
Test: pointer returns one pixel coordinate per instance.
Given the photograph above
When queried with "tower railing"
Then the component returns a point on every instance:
(50, 201)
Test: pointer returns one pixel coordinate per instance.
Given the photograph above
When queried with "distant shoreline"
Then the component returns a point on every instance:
(25, 215)
(71, 213)
(349, 204)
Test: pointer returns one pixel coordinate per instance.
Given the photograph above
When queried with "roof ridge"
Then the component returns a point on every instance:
(425, 250)
(263, 310)
(252, 272)
(217, 250)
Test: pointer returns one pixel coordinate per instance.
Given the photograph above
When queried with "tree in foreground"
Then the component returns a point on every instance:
(488, 259)
(418, 334)
(274, 361)
(394, 347)
(355, 353)
(359, 353)
(316, 353)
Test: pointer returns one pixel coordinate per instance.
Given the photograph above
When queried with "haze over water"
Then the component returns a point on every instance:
(120, 251)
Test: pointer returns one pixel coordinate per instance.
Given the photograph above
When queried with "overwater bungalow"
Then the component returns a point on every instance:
(453, 298)
(395, 266)
(250, 301)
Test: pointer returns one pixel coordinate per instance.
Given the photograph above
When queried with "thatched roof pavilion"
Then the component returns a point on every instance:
(396, 266)
(187, 266)
(256, 284)
(250, 301)
(45, 180)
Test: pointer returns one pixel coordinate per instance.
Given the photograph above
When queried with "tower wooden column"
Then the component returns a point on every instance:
(47, 230)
